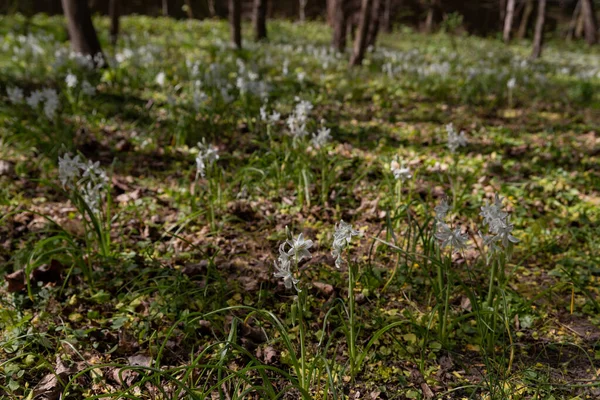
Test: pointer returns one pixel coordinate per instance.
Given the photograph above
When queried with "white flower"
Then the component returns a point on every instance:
(274, 117)
(93, 172)
(455, 140)
(160, 78)
(71, 80)
(498, 224)
(453, 238)
(512, 82)
(51, 104)
(34, 99)
(400, 171)
(441, 210)
(285, 68)
(206, 156)
(341, 238)
(15, 95)
(87, 88)
(68, 169)
(283, 271)
(301, 76)
(299, 248)
(263, 113)
(322, 136)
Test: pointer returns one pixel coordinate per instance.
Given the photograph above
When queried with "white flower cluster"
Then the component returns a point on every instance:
(322, 136)
(399, 170)
(15, 95)
(86, 177)
(206, 156)
(272, 118)
(499, 226)
(86, 61)
(71, 81)
(296, 122)
(48, 97)
(291, 251)
(341, 238)
(455, 140)
(454, 238)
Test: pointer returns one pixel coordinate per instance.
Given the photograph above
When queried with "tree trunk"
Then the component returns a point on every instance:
(360, 43)
(165, 8)
(113, 12)
(430, 16)
(260, 19)
(339, 26)
(387, 16)
(235, 22)
(538, 38)
(188, 9)
(331, 12)
(589, 22)
(81, 29)
(508, 20)
(302, 10)
(574, 21)
(525, 19)
(374, 24)
(211, 8)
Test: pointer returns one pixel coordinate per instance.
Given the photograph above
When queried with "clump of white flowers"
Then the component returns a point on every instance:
(86, 178)
(48, 97)
(15, 95)
(297, 120)
(512, 83)
(399, 170)
(321, 138)
(207, 155)
(455, 140)
(272, 118)
(341, 238)
(453, 238)
(292, 251)
(499, 226)
(71, 80)
(160, 78)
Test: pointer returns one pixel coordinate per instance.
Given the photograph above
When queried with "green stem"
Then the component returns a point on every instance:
(351, 344)
(446, 304)
(301, 302)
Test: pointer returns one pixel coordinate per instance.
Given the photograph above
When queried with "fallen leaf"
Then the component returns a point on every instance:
(16, 281)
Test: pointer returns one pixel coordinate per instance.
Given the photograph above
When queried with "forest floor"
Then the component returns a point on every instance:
(159, 282)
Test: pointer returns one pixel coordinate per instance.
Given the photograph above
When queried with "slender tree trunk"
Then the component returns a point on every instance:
(260, 19)
(339, 26)
(430, 16)
(302, 10)
(331, 12)
(574, 21)
(235, 22)
(188, 9)
(113, 12)
(538, 38)
(360, 43)
(374, 24)
(165, 8)
(508, 20)
(589, 22)
(387, 16)
(81, 29)
(525, 19)
(580, 27)
(211, 8)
